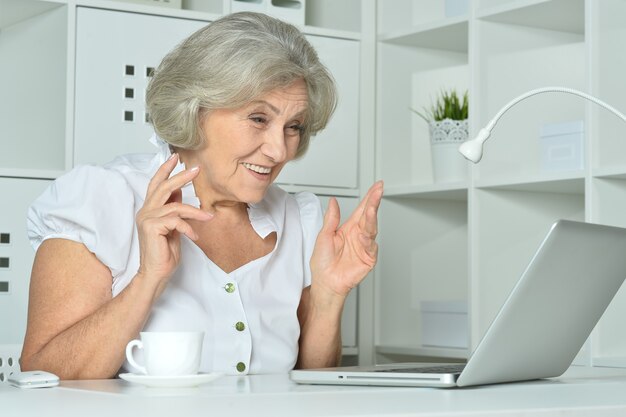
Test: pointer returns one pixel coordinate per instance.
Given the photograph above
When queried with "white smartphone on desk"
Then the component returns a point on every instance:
(33, 379)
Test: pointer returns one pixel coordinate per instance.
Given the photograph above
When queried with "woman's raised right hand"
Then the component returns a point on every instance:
(161, 220)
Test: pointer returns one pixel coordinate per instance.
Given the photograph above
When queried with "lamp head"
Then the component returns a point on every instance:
(473, 149)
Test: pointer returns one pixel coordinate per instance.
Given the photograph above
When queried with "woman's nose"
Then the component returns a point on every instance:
(274, 146)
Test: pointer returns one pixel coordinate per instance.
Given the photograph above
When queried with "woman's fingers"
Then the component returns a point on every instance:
(368, 229)
(163, 192)
(162, 186)
(162, 173)
(163, 218)
(163, 210)
(372, 197)
(332, 217)
(368, 222)
(183, 211)
(376, 188)
(167, 224)
(172, 216)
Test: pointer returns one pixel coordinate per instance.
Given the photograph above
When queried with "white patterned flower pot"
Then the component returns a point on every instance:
(445, 137)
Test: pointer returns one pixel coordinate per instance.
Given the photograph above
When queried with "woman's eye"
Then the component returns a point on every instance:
(296, 128)
(258, 119)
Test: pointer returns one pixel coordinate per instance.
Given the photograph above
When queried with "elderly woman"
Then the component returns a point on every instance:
(197, 237)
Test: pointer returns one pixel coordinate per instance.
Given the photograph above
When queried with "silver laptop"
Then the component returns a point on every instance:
(539, 330)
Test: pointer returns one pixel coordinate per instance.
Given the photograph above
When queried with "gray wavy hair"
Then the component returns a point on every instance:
(226, 65)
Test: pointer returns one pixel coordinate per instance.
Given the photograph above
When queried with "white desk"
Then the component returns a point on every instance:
(580, 392)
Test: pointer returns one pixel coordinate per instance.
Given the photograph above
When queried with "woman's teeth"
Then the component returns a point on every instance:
(256, 168)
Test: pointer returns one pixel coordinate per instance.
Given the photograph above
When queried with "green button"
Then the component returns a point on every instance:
(241, 366)
(240, 326)
(230, 287)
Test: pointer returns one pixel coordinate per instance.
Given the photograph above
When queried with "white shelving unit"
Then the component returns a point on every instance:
(65, 95)
(471, 241)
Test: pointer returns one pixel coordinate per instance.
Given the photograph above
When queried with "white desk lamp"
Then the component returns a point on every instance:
(473, 149)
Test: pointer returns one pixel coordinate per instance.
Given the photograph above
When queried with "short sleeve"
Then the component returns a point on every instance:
(311, 217)
(90, 205)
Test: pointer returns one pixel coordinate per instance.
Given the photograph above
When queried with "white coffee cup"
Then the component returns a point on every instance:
(167, 353)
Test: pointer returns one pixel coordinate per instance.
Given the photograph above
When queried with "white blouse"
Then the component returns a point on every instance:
(248, 316)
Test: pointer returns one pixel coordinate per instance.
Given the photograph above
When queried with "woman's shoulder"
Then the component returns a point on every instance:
(93, 205)
(88, 196)
(119, 175)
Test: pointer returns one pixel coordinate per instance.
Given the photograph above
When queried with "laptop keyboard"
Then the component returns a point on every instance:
(437, 369)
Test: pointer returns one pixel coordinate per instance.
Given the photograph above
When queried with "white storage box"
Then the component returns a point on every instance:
(291, 11)
(444, 323)
(288, 10)
(259, 6)
(562, 146)
(455, 8)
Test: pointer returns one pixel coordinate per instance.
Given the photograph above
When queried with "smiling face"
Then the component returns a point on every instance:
(246, 148)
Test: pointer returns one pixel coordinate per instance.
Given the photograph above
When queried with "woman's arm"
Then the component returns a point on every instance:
(341, 259)
(76, 329)
(320, 331)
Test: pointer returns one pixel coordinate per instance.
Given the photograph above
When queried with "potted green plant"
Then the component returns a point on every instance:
(447, 120)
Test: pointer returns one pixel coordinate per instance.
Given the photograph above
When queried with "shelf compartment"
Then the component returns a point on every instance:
(33, 117)
(405, 15)
(342, 15)
(423, 256)
(535, 59)
(556, 15)
(404, 155)
(430, 53)
(509, 226)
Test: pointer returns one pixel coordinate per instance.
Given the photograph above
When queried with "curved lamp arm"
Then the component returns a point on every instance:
(473, 149)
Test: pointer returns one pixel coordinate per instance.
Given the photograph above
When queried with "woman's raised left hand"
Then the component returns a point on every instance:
(344, 255)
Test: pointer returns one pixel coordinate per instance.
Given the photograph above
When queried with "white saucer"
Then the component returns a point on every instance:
(179, 381)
